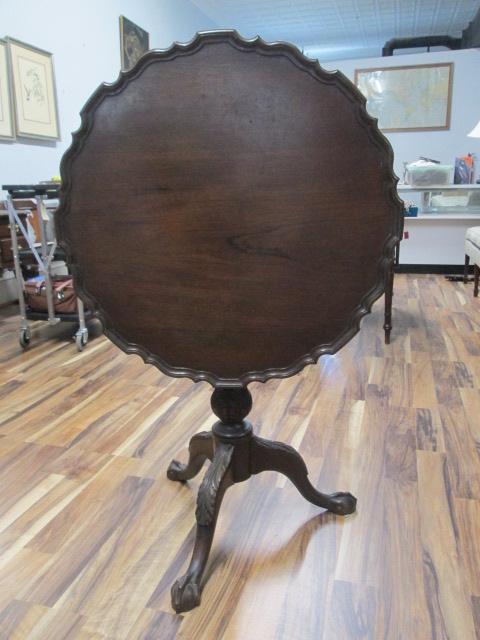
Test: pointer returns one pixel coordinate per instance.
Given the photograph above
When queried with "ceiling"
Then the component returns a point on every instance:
(336, 29)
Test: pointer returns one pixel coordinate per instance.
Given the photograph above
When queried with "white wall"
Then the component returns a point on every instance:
(85, 42)
(434, 241)
(84, 39)
(440, 145)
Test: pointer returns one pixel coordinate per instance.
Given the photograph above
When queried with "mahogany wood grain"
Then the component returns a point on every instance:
(248, 203)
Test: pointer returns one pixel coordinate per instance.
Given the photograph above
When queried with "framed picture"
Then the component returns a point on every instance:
(133, 43)
(7, 130)
(411, 98)
(33, 82)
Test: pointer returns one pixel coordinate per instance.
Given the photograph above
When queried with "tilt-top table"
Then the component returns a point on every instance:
(251, 215)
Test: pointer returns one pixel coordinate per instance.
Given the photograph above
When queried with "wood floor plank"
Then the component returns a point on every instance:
(364, 528)
(116, 585)
(467, 514)
(93, 534)
(19, 573)
(81, 508)
(403, 610)
(464, 459)
(62, 571)
(352, 612)
(449, 599)
(153, 625)
(423, 386)
(471, 404)
(18, 619)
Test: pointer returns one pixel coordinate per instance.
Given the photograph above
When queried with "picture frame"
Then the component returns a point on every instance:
(408, 98)
(134, 42)
(7, 122)
(34, 91)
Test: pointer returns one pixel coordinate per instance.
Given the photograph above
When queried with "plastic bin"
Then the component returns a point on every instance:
(428, 175)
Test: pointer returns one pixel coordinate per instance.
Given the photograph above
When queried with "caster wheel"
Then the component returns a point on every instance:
(24, 338)
(81, 339)
(78, 342)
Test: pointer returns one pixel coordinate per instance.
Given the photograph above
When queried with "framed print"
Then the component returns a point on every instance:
(7, 131)
(411, 98)
(35, 99)
(134, 41)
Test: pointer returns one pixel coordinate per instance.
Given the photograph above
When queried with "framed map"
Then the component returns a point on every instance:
(410, 98)
(36, 114)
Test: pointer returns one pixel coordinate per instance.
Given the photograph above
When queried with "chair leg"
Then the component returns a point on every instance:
(387, 326)
(465, 270)
(476, 277)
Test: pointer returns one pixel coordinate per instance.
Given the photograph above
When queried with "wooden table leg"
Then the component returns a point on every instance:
(387, 326)
(465, 269)
(277, 456)
(200, 449)
(186, 591)
(236, 454)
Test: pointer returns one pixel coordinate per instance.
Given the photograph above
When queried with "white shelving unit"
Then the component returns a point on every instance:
(436, 238)
(438, 187)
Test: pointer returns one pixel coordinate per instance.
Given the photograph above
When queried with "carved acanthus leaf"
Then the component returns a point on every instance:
(207, 494)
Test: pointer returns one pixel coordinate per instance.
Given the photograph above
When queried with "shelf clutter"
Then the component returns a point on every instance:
(42, 295)
(442, 201)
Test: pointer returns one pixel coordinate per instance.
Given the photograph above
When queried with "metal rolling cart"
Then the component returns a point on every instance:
(44, 253)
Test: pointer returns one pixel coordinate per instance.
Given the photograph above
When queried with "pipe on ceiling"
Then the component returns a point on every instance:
(420, 41)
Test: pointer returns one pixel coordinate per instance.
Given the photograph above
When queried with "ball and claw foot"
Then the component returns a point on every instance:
(176, 470)
(342, 504)
(185, 595)
(200, 450)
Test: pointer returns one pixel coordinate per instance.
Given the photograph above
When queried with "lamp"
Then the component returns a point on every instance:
(475, 132)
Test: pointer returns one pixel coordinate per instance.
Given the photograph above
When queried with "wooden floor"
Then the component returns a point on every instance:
(92, 534)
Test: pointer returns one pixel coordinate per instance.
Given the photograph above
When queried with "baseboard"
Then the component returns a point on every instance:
(432, 268)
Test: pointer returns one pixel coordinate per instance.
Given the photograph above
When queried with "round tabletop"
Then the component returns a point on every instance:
(229, 209)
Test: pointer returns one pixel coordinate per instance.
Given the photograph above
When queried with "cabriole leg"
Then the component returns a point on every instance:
(277, 456)
(186, 591)
(200, 449)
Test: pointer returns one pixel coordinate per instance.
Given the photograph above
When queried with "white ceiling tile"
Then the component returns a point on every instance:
(340, 27)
